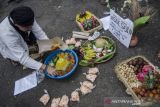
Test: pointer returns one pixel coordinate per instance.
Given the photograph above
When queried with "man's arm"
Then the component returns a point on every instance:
(16, 51)
(39, 33)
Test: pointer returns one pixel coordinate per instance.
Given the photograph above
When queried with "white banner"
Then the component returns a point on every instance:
(121, 28)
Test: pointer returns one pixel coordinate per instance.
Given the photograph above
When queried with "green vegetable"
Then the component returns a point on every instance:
(90, 25)
(111, 48)
(150, 80)
(55, 60)
(141, 21)
(107, 56)
(100, 43)
(71, 47)
(109, 45)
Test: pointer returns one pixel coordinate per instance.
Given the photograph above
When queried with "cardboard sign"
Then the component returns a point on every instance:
(121, 28)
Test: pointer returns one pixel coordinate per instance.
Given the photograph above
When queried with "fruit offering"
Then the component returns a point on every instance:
(138, 64)
(128, 73)
(63, 63)
(142, 77)
(97, 51)
(87, 20)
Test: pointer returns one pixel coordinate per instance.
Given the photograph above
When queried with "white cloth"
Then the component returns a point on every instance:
(13, 46)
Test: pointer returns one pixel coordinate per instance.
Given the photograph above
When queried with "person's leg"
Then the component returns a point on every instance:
(33, 52)
(33, 47)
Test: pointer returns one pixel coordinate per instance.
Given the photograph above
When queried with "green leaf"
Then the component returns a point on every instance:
(141, 21)
(71, 47)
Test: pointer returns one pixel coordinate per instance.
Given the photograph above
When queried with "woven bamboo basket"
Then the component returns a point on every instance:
(129, 89)
(92, 30)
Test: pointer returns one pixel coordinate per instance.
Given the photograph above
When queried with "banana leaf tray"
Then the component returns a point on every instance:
(102, 59)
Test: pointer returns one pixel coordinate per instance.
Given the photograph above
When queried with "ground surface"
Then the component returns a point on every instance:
(57, 17)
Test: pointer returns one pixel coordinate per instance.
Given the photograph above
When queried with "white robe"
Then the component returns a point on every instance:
(13, 46)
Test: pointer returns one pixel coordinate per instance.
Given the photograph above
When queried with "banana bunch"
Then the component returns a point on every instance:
(89, 53)
(83, 16)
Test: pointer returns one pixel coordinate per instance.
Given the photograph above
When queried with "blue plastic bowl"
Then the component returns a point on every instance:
(53, 54)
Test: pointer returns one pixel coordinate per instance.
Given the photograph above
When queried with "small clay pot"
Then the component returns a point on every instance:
(134, 41)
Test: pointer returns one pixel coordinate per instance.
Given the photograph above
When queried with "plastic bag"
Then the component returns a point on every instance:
(40, 76)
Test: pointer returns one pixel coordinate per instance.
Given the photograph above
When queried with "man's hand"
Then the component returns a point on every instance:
(51, 71)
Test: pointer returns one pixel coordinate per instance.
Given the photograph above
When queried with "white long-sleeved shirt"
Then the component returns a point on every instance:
(13, 46)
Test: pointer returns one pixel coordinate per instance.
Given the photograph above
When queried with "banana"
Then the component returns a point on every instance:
(87, 48)
(89, 54)
(92, 55)
(87, 58)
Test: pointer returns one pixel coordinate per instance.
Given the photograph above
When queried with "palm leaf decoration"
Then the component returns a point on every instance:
(140, 22)
(140, 15)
